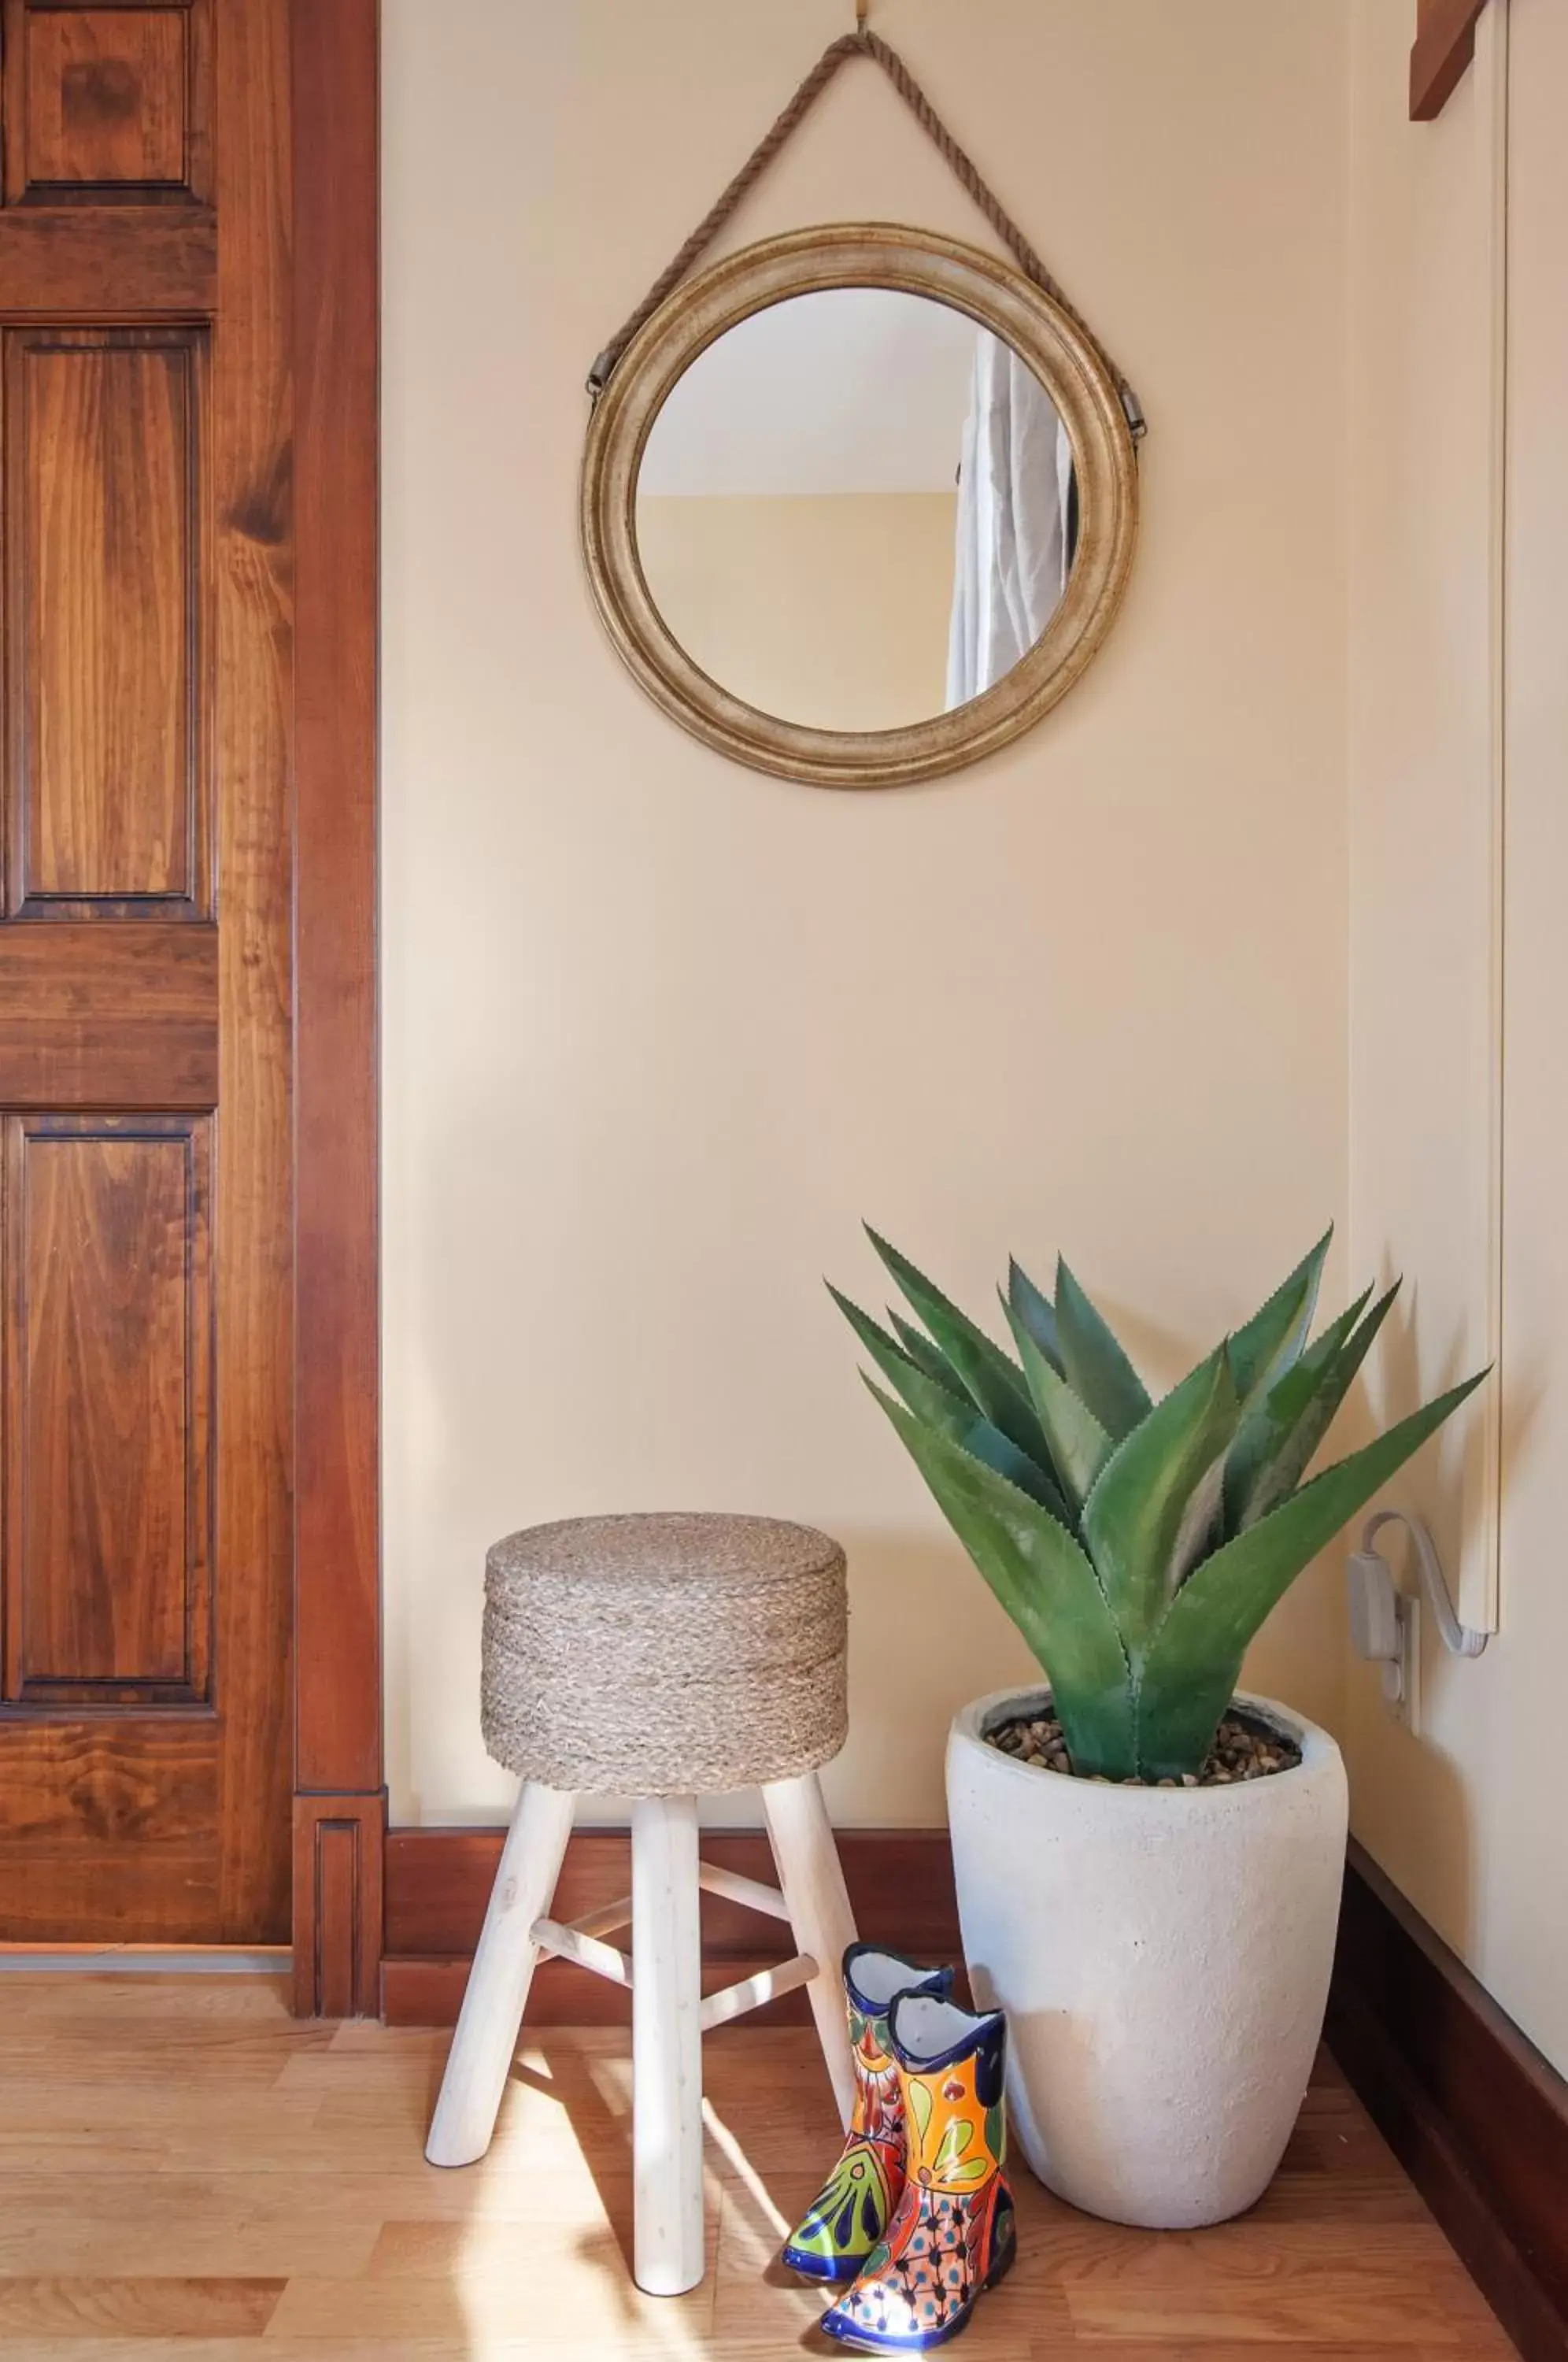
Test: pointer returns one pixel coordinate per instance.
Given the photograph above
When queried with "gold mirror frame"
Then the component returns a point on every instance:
(919, 262)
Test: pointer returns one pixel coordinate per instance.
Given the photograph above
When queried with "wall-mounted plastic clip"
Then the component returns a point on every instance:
(1382, 1622)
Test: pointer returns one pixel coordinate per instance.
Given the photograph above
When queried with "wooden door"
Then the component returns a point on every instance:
(146, 983)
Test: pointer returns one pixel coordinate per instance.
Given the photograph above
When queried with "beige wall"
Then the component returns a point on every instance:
(1467, 1814)
(658, 1031)
(829, 607)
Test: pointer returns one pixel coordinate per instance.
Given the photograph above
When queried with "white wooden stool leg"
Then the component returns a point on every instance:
(812, 1884)
(480, 2058)
(667, 2046)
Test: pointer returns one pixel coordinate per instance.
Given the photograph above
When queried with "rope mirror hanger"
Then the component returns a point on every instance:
(862, 42)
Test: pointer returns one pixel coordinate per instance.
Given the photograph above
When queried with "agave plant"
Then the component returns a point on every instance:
(1137, 1545)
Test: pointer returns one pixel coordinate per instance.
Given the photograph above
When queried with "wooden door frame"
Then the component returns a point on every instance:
(339, 1805)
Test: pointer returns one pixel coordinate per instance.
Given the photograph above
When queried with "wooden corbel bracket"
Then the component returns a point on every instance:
(1444, 45)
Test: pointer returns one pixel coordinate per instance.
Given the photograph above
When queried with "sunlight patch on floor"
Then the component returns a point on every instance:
(744, 2172)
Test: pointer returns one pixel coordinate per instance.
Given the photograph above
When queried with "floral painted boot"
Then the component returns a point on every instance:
(952, 2232)
(853, 2206)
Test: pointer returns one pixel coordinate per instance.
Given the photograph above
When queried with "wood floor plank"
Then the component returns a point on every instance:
(1343, 2305)
(1178, 2348)
(571, 2290)
(466, 2344)
(185, 2171)
(142, 2306)
(205, 2246)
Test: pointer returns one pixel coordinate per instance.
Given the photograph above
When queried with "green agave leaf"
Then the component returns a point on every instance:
(1202, 1522)
(925, 1354)
(1026, 1303)
(1189, 1671)
(1157, 1496)
(1267, 1345)
(895, 1361)
(1307, 1428)
(993, 1381)
(1268, 1425)
(1079, 1445)
(952, 1415)
(1093, 1362)
(1046, 1584)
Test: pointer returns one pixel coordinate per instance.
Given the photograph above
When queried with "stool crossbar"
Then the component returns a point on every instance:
(579, 1943)
(761, 1604)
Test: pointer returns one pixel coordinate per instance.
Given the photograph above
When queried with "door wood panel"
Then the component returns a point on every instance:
(103, 645)
(109, 1830)
(108, 1351)
(108, 1017)
(61, 263)
(111, 103)
(147, 983)
(106, 96)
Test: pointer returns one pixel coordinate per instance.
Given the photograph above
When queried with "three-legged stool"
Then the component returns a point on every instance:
(663, 1658)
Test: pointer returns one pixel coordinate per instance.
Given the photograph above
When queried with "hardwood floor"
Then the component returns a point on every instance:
(184, 2169)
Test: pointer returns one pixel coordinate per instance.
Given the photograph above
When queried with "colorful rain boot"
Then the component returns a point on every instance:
(852, 2209)
(952, 2233)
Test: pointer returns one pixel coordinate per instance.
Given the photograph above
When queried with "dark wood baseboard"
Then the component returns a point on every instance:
(339, 1853)
(1475, 2115)
(438, 1881)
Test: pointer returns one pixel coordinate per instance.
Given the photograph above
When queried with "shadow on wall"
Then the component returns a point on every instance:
(925, 1637)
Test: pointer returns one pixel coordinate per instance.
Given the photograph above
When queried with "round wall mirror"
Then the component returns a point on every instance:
(858, 504)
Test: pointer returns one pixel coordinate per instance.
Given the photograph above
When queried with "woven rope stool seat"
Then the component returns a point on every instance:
(661, 1658)
(664, 1656)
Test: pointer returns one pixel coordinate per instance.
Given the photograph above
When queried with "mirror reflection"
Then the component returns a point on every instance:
(857, 509)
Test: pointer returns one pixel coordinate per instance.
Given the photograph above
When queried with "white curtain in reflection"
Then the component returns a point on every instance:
(1011, 565)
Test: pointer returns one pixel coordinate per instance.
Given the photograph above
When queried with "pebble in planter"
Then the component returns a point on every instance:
(1158, 1924)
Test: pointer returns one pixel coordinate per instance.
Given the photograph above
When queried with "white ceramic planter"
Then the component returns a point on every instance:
(1163, 1955)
